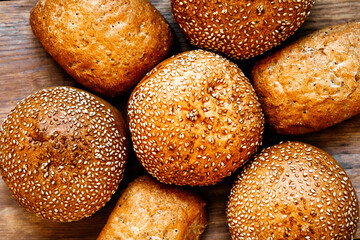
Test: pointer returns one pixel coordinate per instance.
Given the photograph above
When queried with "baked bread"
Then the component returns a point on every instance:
(107, 46)
(194, 119)
(63, 153)
(312, 83)
(293, 190)
(152, 210)
(239, 29)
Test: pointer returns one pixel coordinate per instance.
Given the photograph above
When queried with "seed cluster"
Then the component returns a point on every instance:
(293, 191)
(62, 153)
(194, 119)
(239, 29)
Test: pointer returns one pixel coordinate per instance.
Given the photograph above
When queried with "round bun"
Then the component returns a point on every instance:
(62, 153)
(194, 119)
(239, 29)
(107, 46)
(293, 190)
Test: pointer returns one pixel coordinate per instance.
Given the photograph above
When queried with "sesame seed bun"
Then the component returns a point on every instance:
(62, 153)
(194, 119)
(107, 46)
(151, 210)
(293, 190)
(239, 29)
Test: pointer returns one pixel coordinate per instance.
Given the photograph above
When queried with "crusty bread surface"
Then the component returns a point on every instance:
(107, 46)
(194, 119)
(312, 83)
(63, 153)
(239, 29)
(151, 210)
(293, 191)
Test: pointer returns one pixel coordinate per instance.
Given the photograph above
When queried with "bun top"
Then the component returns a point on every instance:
(312, 83)
(148, 209)
(296, 191)
(107, 46)
(194, 119)
(239, 29)
(62, 153)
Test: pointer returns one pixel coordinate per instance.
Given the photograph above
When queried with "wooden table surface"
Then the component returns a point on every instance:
(25, 67)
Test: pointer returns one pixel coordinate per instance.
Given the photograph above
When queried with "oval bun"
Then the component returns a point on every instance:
(148, 209)
(107, 46)
(312, 83)
(239, 29)
(62, 153)
(293, 190)
(194, 119)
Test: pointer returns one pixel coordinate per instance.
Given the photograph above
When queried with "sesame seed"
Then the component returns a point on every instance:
(281, 208)
(231, 29)
(60, 163)
(203, 121)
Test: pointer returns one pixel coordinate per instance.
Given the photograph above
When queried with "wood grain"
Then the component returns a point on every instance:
(25, 68)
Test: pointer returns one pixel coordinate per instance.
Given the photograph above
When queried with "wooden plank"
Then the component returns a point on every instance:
(25, 67)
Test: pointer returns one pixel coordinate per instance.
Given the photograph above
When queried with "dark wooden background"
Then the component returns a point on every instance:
(25, 67)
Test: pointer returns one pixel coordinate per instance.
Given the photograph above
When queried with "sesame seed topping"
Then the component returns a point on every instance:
(297, 207)
(239, 29)
(217, 105)
(49, 167)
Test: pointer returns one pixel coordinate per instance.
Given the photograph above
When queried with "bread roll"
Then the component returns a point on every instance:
(152, 210)
(194, 119)
(312, 83)
(293, 190)
(239, 29)
(107, 46)
(62, 153)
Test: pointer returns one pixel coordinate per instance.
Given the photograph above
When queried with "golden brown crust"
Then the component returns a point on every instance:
(152, 210)
(239, 29)
(63, 153)
(312, 83)
(194, 119)
(107, 46)
(293, 191)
